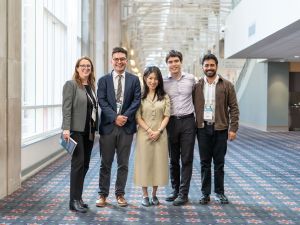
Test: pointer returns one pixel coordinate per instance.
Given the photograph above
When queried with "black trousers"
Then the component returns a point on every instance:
(118, 142)
(79, 163)
(212, 146)
(181, 140)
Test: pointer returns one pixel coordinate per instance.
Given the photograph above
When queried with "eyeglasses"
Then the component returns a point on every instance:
(119, 59)
(85, 66)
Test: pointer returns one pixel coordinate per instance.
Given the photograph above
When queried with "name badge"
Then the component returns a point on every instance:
(94, 112)
(208, 113)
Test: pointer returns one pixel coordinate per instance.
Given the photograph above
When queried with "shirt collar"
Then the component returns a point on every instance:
(182, 75)
(214, 82)
(115, 75)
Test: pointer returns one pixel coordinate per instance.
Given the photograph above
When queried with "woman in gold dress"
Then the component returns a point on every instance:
(151, 152)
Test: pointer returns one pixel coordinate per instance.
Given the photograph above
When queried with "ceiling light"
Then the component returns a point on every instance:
(132, 62)
(296, 56)
(136, 70)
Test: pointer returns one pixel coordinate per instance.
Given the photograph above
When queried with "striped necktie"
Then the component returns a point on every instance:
(119, 89)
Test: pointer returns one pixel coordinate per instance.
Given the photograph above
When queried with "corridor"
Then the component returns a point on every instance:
(262, 181)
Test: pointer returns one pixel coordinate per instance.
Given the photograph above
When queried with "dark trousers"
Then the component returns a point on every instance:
(118, 142)
(181, 140)
(79, 163)
(212, 146)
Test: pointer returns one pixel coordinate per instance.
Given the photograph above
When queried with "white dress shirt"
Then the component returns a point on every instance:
(209, 92)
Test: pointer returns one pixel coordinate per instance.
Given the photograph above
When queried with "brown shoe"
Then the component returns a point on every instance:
(101, 202)
(121, 201)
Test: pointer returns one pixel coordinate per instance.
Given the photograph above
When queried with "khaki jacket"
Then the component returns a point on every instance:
(226, 109)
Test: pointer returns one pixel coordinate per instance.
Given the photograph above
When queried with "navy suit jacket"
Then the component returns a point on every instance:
(107, 102)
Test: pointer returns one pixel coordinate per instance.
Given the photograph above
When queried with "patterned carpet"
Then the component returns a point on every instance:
(262, 182)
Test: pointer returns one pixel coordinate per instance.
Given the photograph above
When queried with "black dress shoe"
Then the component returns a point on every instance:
(172, 197)
(204, 199)
(221, 198)
(84, 205)
(154, 200)
(145, 201)
(180, 201)
(76, 206)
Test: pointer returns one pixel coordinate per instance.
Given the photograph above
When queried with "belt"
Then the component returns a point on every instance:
(209, 123)
(183, 116)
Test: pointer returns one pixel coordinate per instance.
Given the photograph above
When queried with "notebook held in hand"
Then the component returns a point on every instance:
(69, 146)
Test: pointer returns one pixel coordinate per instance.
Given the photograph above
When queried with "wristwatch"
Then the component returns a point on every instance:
(160, 130)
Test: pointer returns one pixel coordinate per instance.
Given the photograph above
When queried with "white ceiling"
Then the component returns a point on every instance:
(153, 27)
(282, 46)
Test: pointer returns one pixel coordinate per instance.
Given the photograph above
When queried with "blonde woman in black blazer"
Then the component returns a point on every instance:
(80, 116)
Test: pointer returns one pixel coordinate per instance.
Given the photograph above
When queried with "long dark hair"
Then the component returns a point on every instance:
(159, 91)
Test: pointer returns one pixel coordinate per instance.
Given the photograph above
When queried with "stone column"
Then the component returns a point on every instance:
(113, 21)
(10, 96)
(99, 50)
(85, 27)
(93, 32)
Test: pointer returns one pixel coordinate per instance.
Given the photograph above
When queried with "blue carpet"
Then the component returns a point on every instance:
(262, 182)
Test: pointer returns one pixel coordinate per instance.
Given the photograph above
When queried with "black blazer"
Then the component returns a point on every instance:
(107, 102)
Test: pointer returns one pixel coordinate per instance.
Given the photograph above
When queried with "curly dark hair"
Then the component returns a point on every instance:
(119, 49)
(174, 53)
(210, 56)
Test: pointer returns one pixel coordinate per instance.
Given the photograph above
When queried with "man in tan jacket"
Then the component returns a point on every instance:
(217, 118)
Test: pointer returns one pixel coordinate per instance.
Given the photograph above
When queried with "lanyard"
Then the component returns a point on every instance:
(94, 96)
(94, 111)
(209, 91)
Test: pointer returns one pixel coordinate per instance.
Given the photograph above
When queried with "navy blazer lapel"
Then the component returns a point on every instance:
(127, 86)
(111, 91)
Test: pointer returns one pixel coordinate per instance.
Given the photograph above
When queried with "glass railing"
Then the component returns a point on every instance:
(242, 75)
(235, 3)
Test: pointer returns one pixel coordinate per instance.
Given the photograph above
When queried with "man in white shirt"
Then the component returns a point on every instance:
(217, 117)
(119, 96)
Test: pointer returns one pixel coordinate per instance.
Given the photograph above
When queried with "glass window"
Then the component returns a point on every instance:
(50, 43)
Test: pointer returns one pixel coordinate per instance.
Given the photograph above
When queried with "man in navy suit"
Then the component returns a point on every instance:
(119, 96)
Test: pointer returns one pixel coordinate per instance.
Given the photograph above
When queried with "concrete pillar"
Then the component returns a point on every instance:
(92, 32)
(10, 96)
(113, 21)
(99, 49)
(278, 96)
(3, 99)
(87, 28)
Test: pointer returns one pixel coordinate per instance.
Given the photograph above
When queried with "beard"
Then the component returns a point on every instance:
(210, 73)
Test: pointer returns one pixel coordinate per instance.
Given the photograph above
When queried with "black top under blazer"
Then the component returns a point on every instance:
(74, 107)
